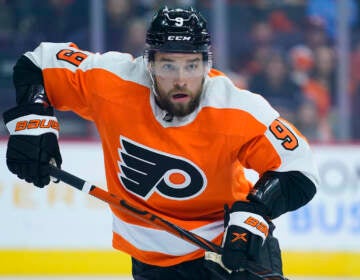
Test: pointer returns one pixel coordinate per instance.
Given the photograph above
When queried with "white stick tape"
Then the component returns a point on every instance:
(86, 187)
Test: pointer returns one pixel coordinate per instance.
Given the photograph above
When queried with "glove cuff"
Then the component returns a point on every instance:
(31, 119)
(250, 216)
(27, 109)
(254, 223)
(253, 207)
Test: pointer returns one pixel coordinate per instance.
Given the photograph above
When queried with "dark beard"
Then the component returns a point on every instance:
(177, 110)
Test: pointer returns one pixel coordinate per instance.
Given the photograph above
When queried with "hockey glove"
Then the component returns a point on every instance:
(245, 232)
(33, 142)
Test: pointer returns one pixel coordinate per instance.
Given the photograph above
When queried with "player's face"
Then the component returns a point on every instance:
(178, 81)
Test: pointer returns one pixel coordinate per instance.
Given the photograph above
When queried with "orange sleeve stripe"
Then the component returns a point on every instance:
(70, 85)
(260, 155)
(78, 87)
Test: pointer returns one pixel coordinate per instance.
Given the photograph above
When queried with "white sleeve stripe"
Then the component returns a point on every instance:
(33, 125)
(240, 218)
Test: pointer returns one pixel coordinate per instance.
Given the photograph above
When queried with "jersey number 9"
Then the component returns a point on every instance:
(280, 131)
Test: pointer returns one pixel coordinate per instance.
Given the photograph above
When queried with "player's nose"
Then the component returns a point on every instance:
(180, 78)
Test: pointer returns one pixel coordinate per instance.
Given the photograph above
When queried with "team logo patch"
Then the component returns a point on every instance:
(145, 171)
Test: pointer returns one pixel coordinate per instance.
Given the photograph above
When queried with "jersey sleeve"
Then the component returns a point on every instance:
(64, 81)
(71, 75)
(280, 148)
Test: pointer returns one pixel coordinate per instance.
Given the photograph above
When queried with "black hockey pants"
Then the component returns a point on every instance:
(270, 257)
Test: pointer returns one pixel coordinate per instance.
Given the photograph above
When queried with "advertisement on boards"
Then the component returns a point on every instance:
(60, 217)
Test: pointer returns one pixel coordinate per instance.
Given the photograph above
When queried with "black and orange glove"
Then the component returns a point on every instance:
(245, 232)
(33, 142)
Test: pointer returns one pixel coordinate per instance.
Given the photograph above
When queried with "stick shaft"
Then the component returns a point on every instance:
(124, 206)
(152, 219)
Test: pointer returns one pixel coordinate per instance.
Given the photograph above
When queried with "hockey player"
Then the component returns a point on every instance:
(176, 137)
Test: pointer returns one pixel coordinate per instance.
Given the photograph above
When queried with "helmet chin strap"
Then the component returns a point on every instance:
(153, 84)
(168, 117)
(148, 68)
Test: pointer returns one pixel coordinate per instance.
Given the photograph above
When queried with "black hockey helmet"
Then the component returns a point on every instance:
(178, 30)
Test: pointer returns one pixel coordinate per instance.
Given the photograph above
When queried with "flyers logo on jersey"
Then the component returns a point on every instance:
(145, 171)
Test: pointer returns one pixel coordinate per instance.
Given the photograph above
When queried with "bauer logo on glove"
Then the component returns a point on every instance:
(33, 142)
(37, 123)
(256, 224)
(245, 233)
(33, 125)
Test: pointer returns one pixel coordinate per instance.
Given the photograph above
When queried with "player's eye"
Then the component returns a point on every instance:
(192, 67)
(168, 67)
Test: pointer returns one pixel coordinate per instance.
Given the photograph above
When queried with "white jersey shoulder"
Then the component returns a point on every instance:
(123, 65)
(49, 55)
(220, 92)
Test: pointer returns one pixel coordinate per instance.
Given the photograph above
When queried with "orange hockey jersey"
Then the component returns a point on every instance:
(184, 170)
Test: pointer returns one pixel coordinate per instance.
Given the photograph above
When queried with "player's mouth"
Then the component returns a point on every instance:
(180, 97)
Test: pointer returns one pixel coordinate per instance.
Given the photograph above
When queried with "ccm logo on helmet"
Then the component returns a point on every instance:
(178, 38)
(37, 123)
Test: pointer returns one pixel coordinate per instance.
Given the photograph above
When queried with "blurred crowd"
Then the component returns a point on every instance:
(284, 50)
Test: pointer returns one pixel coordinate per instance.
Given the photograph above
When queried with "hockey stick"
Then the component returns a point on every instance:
(121, 204)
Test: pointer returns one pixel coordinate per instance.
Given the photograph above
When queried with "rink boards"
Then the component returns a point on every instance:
(59, 231)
